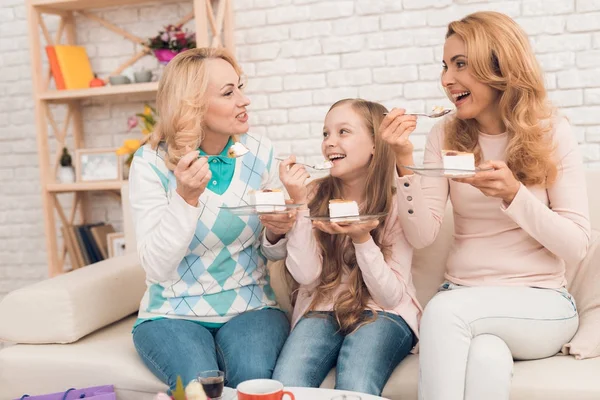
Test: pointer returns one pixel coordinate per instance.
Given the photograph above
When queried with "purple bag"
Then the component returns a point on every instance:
(106, 392)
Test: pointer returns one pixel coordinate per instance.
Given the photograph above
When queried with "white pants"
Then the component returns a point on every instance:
(470, 336)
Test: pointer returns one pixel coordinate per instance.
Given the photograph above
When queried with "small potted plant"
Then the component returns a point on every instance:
(66, 173)
(170, 42)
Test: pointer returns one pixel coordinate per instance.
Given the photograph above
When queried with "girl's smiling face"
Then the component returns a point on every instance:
(347, 142)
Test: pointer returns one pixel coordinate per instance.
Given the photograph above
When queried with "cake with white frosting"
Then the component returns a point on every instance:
(343, 210)
(458, 161)
(268, 200)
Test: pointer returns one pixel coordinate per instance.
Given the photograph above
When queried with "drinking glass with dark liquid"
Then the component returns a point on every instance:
(212, 382)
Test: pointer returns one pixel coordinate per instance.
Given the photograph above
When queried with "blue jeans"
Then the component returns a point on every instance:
(246, 347)
(365, 358)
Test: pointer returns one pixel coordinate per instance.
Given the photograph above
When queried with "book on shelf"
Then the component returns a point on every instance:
(77, 260)
(83, 253)
(87, 243)
(59, 81)
(70, 66)
(99, 233)
(91, 247)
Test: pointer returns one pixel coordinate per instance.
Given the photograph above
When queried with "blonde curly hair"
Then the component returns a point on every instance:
(181, 101)
(499, 55)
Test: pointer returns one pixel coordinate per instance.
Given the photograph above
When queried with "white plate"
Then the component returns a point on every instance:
(261, 209)
(441, 172)
(229, 394)
(359, 219)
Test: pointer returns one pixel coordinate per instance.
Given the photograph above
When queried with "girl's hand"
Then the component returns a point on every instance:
(192, 175)
(359, 233)
(294, 180)
(499, 183)
(395, 129)
(277, 225)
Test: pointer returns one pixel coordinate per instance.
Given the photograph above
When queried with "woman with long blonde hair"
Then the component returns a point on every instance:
(518, 222)
(355, 305)
(208, 303)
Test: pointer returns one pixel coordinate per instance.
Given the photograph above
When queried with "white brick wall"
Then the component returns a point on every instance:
(301, 56)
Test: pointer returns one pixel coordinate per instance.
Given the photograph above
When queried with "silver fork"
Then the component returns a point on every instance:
(315, 167)
(430, 115)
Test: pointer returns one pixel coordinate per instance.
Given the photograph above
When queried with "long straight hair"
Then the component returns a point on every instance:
(337, 252)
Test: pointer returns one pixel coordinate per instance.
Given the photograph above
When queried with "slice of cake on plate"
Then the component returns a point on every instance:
(343, 210)
(268, 200)
(458, 161)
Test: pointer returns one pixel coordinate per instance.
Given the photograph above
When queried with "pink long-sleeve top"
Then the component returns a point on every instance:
(525, 243)
(388, 279)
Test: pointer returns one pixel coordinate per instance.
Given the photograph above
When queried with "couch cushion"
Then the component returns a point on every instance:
(109, 357)
(280, 283)
(429, 263)
(592, 178)
(584, 284)
(69, 306)
(555, 378)
(105, 357)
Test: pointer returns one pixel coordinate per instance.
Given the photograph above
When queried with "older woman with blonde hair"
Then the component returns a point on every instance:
(208, 303)
(517, 222)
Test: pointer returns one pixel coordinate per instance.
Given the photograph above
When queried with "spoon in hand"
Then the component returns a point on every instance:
(430, 115)
(319, 167)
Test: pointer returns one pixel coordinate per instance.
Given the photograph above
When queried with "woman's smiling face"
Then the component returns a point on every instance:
(473, 99)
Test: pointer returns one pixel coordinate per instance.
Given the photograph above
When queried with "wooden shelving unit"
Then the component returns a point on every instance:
(83, 186)
(71, 5)
(214, 27)
(63, 96)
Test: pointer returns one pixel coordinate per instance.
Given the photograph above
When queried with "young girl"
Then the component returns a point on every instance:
(356, 306)
(516, 226)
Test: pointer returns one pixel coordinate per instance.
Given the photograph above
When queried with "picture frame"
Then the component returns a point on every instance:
(93, 165)
(116, 244)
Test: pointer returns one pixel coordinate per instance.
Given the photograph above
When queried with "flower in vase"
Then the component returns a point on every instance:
(129, 147)
(174, 38)
(148, 121)
(132, 122)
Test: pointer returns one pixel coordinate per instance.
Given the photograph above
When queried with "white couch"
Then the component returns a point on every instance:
(91, 311)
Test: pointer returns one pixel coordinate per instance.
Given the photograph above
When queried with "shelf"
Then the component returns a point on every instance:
(84, 186)
(67, 5)
(58, 96)
(213, 20)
